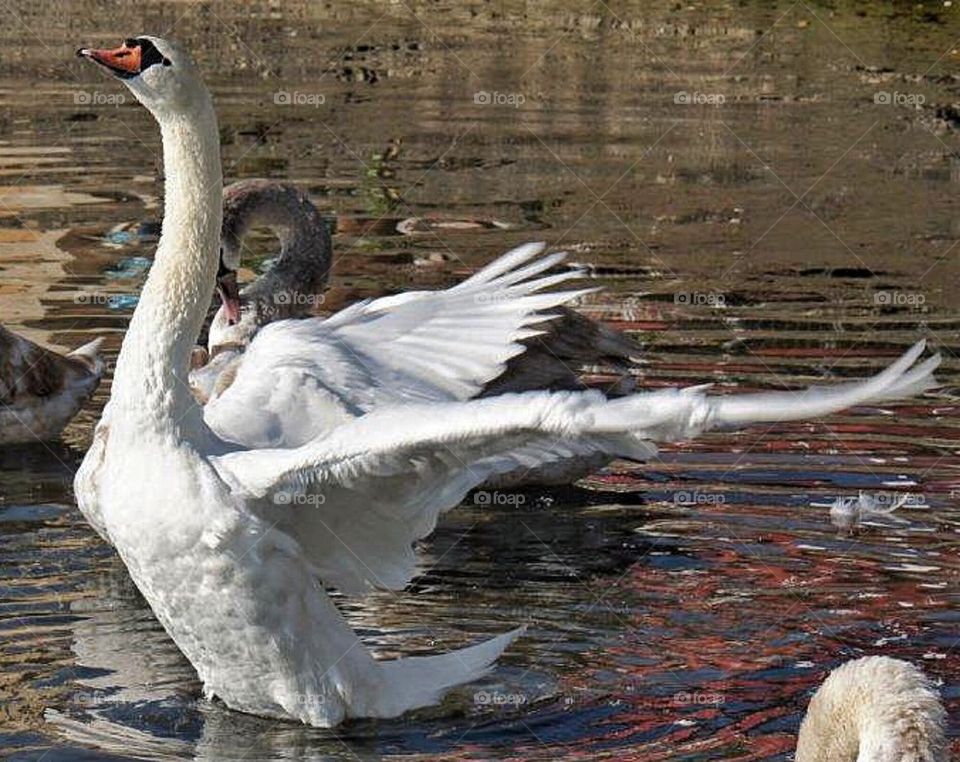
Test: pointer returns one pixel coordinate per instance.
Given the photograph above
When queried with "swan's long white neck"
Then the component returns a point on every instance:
(150, 381)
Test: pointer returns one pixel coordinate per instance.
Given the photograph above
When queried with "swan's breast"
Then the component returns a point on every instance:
(85, 483)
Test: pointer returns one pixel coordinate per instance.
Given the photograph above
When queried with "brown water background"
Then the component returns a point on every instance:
(768, 193)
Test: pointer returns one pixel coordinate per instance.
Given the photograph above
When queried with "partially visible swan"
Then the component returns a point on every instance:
(874, 709)
(293, 284)
(232, 544)
(553, 358)
(298, 274)
(40, 390)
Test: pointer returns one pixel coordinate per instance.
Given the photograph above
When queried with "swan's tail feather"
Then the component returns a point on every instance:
(419, 681)
(897, 381)
(89, 355)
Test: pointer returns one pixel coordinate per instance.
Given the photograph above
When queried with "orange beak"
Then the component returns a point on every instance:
(123, 61)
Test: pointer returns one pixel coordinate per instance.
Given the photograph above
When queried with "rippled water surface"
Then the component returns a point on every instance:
(805, 226)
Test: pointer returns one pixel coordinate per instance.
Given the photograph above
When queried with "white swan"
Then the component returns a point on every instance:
(228, 541)
(41, 391)
(874, 709)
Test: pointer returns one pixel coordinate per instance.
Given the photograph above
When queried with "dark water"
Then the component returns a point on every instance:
(805, 226)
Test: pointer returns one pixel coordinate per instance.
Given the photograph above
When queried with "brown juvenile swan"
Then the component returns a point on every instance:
(553, 359)
(292, 285)
(874, 709)
(301, 269)
(40, 390)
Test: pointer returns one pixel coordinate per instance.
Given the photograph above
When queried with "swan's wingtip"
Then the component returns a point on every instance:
(500, 643)
(530, 249)
(916, 350)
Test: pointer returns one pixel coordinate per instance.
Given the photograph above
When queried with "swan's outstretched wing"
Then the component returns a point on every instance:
(298, 378)
(459, 339)
(357, 498)
(899, 380)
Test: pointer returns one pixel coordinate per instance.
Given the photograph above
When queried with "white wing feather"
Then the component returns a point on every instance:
(357, 498)
(300, 377)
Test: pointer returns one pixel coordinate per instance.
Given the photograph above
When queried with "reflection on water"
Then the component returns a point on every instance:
(766, 192)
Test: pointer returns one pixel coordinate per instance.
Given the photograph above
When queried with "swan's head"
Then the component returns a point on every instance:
(159, 73)
(303, 263)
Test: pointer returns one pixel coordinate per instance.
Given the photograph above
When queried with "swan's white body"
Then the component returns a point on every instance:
(229, 525)
(874, 709)
(40, 390)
